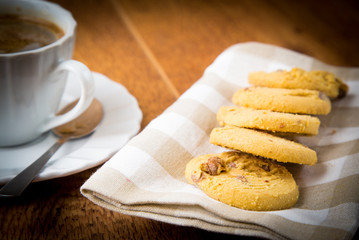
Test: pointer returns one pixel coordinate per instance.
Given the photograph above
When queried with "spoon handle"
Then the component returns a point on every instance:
(18, 184)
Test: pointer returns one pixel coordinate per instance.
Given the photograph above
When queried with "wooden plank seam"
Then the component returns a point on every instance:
(147, 51)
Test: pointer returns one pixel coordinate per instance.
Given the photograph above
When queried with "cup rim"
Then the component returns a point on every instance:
(68, 33)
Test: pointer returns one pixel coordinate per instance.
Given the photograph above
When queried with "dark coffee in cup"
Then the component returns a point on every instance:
(22, 33)
(32, 82)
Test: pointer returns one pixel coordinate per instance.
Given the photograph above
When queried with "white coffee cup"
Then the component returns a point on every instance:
(32, 82)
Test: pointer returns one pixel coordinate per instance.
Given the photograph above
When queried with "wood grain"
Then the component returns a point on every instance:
(157, 50)
(201, 29)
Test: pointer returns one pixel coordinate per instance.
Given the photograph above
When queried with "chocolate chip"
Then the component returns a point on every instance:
(213, 166)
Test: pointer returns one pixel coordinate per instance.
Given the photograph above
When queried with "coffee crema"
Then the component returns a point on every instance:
(22, 33)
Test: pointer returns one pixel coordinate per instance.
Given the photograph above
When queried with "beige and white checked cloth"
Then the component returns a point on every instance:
(146, 177)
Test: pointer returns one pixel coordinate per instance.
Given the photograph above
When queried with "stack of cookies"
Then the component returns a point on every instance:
(281, 102)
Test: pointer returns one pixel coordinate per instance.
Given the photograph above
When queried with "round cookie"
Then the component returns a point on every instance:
(244, 181)
(268, 120)
(262, 144)
(300, 101)
(323, 81)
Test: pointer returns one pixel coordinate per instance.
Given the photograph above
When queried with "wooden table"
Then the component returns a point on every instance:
(157, 50)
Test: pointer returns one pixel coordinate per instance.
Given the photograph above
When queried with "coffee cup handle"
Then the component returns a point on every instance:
(83, 74)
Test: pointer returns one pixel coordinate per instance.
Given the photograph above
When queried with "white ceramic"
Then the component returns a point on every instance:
(32, 82)
(122, 120)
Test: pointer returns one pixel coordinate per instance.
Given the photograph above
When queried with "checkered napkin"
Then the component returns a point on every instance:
(146, 177)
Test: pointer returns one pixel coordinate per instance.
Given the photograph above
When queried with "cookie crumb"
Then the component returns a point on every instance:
(265, 168)
(242, 178)
(195, 179)
(231, 165)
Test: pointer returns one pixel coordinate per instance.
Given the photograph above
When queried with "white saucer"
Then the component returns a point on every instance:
(122, 120)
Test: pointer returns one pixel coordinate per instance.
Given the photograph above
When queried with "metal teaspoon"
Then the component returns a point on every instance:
(82, 126)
